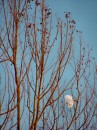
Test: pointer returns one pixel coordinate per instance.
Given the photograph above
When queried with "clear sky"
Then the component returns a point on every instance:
(85, 14)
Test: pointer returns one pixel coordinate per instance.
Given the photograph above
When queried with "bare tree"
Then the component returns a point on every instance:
(40, 64)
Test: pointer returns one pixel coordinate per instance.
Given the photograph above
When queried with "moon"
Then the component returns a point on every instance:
(69, 101)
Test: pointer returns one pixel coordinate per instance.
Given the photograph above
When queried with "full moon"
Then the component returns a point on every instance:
(69, 101)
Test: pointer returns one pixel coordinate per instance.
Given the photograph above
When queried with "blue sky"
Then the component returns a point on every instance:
(85, 14)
